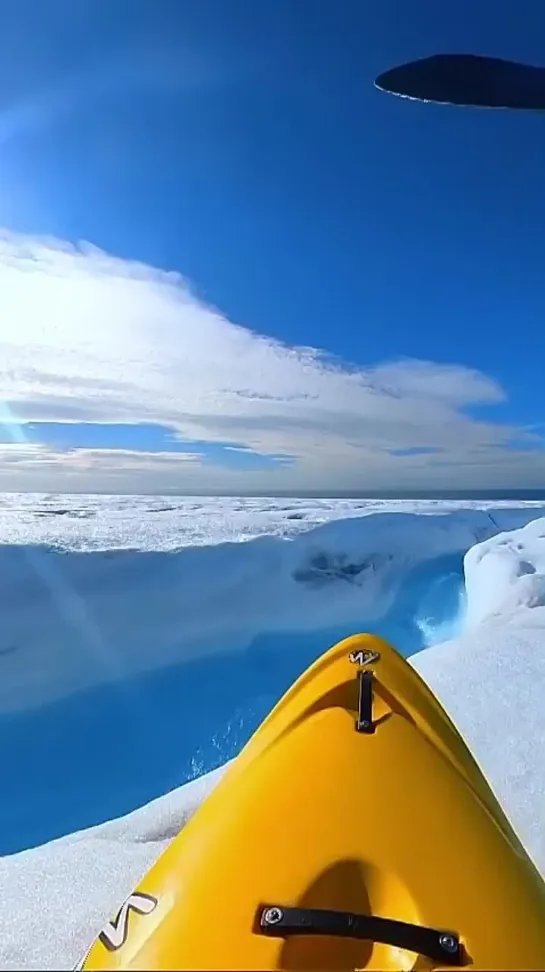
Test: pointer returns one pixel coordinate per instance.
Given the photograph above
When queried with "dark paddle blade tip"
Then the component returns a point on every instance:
(468, 80)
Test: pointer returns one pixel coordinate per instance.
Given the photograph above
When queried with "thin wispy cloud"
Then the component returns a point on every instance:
(141, 65)
(87, 337)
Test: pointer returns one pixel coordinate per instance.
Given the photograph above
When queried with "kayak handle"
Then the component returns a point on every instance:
(441, 946)
(364, 721)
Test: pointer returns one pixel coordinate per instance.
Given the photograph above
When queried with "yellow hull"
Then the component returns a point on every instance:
(316, 814)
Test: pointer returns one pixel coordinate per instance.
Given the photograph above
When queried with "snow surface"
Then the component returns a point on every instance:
(491, 679)
(55, 898)
(101, 522)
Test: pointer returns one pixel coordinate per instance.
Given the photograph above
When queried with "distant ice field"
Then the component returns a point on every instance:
(100, 522)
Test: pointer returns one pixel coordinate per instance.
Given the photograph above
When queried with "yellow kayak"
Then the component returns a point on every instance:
(353, 831)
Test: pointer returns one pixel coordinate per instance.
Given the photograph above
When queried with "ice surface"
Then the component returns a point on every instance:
(54, 899)
(87, 522)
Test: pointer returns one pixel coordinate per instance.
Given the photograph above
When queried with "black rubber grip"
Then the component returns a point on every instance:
(441, 946)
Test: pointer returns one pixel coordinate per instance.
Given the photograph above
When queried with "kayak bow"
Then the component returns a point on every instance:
(354, 831)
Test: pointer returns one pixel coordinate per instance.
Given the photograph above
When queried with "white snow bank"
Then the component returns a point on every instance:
(53, 900)
(492, 679)
(506, 573)
(71, 621)
(491, 682)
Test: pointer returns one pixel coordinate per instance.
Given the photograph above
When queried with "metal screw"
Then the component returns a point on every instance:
(272, 916)
(449, 943)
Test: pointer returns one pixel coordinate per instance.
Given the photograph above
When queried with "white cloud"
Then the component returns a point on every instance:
(88, 337)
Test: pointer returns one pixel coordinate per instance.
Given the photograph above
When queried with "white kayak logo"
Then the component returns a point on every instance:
(363, 657)
(114, 934)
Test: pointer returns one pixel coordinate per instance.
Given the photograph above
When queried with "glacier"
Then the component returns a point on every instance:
(108, 601)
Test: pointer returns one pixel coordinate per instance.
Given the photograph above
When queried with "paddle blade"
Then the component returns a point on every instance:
(468, 80)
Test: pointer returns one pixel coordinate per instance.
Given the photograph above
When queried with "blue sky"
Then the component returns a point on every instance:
(361, 299)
